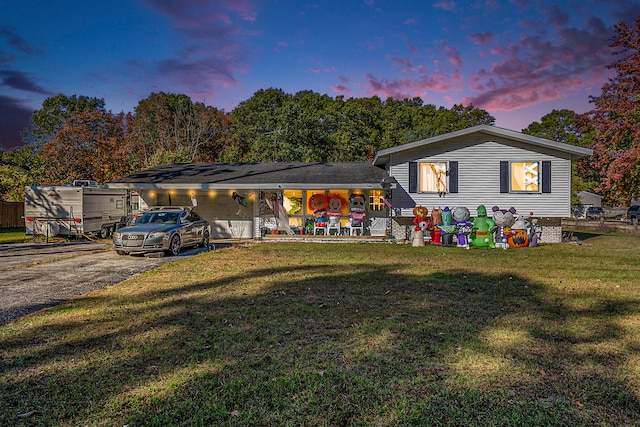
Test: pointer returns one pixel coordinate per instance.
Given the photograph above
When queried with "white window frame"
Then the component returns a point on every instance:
(528, 174)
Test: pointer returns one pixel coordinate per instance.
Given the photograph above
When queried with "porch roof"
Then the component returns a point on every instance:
(259, 176)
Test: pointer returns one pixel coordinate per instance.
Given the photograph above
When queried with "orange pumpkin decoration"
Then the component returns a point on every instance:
(518, 238)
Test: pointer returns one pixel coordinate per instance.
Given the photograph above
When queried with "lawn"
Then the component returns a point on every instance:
(277, 334)
(13, 235)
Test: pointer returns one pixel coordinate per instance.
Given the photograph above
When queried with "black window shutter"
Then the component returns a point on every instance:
(504, 177)
(453, 177)
(413, 177)
(546, 176)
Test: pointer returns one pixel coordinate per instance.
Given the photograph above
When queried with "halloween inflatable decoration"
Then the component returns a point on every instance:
(460, 216)
(448, 229)
(481, 235)
(420, 219)
(318, 204)
(434, 231)
(535, 233)
(519, 237)
(274, 201)
(335, 206)
(504, 219)
(239, 199)
(334, 210)
(421, 222)
(356, 209)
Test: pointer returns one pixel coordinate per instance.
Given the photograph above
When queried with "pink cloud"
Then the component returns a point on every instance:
(445, 5)
(343, 90)
(412, 48)
(209, 55)
(401, 62)
(409, 88)
(482, 38)
(187, 14)
(371, 45)
(314, 70)
(407, 66)
(453, 56)
(556, 16)
(245, 8)
(535, 69)
(512, 98)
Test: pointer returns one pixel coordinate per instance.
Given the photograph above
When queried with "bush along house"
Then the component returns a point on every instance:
(483, 166)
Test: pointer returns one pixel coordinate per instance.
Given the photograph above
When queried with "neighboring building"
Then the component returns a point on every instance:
(587, 200)
(590, 199)
(247, 200)
(483, 165)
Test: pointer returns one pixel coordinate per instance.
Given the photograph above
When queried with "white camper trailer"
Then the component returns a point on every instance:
(74, 210)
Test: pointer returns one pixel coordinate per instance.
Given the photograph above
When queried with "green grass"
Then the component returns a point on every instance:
(280, 334)
(13, 235)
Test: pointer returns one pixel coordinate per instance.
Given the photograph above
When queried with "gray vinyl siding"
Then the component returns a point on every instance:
(479, 177)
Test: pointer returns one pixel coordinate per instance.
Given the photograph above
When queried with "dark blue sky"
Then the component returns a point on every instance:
(517, 59)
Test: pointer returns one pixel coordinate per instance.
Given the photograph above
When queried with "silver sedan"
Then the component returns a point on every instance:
(166, 229)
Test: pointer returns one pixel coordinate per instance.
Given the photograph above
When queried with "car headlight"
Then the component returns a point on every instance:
(116, 235)
(157, 235)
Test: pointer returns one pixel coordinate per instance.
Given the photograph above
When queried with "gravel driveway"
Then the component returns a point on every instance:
(35, 276)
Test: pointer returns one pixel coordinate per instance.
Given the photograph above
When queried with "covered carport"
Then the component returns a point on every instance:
(238, 198)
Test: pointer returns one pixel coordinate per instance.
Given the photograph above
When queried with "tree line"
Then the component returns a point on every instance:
(75, 137)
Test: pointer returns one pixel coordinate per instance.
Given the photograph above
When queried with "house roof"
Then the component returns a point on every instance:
(269, 176)
(383, 156)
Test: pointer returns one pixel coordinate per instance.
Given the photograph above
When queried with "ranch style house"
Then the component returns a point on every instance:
(481, 165)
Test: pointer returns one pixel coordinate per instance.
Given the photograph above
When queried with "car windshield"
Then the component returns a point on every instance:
(158, 217)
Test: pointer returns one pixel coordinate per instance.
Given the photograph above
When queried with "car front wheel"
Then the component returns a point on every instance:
(174, 245)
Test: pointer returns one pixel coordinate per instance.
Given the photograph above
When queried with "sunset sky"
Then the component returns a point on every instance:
(517, 59)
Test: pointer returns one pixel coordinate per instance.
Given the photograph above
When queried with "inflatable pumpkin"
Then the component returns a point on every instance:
(519, 237)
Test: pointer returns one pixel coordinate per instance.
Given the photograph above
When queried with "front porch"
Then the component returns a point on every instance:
(311, 238)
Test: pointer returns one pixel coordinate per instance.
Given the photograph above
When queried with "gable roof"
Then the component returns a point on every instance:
(267, 176)
(382, 156)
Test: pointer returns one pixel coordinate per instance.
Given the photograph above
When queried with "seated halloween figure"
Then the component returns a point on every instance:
(481, 234)
(503, 219)
(436, 233)
(318, 204)
(447, 227)
(356, 209)
(460, 216)
(334, 211)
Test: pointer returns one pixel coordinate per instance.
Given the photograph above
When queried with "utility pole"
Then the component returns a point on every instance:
(275, 143)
